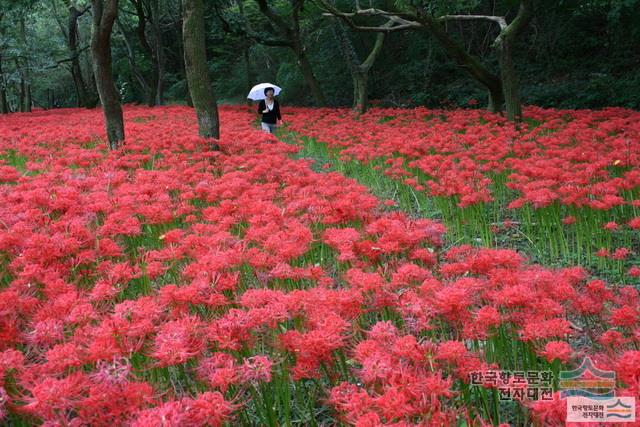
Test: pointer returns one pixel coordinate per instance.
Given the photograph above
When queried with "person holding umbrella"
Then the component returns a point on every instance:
(268, 106)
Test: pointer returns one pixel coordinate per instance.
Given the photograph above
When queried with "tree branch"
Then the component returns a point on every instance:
(71, 58)
(393, 18)
(525, 13)
(377, 48)
(277, 20)
(502, 23)
(247, 32)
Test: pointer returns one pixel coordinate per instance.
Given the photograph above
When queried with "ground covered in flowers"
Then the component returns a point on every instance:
(168, 285)
(565, 183)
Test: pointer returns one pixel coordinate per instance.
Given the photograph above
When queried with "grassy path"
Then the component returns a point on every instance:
(477, 225)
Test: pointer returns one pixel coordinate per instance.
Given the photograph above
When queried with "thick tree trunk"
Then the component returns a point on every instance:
(195, 59)
(104, 15)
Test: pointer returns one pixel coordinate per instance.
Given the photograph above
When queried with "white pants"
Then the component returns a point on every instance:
(268, 127)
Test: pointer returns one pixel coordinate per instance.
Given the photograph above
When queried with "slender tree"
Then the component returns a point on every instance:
(290, 31)
(4, 105)
(105, 12)
(359, 70)
(84, 95)
(147, 11)
(284, 31)
(195, 60)
(246, 44)
(25, 74)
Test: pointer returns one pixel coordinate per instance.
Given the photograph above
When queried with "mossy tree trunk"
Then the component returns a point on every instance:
(195, 60)
(105, 13)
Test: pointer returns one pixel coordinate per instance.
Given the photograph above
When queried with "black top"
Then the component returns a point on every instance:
(272, 116)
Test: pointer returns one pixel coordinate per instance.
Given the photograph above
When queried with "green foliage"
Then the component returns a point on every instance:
(575, 54)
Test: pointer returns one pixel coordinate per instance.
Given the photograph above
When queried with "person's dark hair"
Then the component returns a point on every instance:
(269, 88)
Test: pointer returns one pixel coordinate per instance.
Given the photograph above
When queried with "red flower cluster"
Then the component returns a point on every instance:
(575, 172)
(578, 158)
(165, 284)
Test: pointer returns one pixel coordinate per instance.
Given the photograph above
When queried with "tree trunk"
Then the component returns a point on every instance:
(195, 60)
(28, 101)
(293, 40)
(147, 10)
(247, 59)
(309, 77)
(360, 99)
(504, 43)
(105, 13)
(21, 87)
(25, 75)
(149, 94)
(510, 83)
(4, 105)
(158, 54)
(149, 87)
(359, 72)
(249, 71)
(183, 71)
(467, 62)
(496, 99)
(49, 98)
(72, 44)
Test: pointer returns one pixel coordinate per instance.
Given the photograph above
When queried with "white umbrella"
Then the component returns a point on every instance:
(257, 92)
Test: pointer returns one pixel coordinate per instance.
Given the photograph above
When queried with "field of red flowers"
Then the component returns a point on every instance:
(168, 285)
(567, 181)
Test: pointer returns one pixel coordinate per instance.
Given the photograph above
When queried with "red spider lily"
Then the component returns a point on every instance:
(168, 254)
(209, 409)
(559, 350)
(178, 341)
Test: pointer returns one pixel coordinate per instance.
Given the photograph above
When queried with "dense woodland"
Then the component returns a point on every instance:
(567, 53)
